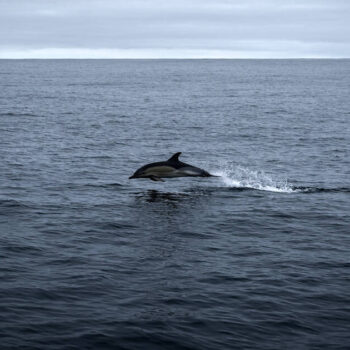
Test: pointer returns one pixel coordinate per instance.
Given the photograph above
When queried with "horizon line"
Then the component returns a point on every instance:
(171, 54)
(174, 58)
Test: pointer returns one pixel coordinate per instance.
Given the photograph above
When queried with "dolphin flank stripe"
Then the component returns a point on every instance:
(173, 167)
(163, 169)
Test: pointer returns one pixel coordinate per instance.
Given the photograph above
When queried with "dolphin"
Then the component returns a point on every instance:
(170, 168)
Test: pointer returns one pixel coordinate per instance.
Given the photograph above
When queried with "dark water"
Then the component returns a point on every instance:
(256, 259)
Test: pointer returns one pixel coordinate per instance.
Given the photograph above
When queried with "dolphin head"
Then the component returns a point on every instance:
(139, 173)
(135, 175)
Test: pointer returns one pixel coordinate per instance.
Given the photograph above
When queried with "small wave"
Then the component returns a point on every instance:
(105, 185)
(12, 114)
(10, 205)
(243, 178)
(320, 189)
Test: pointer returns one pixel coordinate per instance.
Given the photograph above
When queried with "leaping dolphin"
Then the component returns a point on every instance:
(171, 168)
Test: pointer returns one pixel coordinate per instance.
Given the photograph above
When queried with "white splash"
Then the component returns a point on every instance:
(240, 177)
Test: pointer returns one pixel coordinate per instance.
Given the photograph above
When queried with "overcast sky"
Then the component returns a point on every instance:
(174, 28)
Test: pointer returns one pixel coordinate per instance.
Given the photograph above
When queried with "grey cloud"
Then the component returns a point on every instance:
(273, 27)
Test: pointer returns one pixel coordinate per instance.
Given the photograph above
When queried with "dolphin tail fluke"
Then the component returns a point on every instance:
(211, 175)
(206, 174)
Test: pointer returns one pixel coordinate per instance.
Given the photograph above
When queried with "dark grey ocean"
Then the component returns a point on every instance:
(258, 258)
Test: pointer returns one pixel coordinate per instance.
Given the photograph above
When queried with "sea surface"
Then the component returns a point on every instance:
(258, 258)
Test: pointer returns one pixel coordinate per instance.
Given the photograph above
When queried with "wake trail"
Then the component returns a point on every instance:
(241, 177)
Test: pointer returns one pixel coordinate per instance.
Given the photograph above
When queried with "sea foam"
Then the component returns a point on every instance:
(241, 177)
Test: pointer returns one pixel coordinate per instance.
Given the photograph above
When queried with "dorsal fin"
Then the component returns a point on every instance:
(175, 157)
